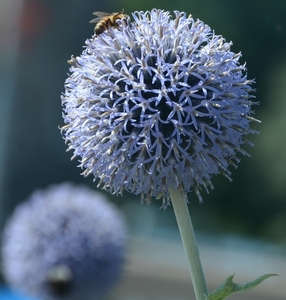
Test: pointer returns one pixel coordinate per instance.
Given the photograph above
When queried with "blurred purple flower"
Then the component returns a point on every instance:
(67, 242)
(158, 102)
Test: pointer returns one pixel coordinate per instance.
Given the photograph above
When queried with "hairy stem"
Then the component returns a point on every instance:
(189, 242)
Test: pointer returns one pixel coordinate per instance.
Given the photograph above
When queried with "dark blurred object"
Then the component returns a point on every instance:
(35, 19)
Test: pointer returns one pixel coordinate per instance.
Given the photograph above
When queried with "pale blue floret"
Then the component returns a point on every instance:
(158, 102)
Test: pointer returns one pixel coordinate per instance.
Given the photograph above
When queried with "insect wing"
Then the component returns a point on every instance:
(96, 20)
(99, 15)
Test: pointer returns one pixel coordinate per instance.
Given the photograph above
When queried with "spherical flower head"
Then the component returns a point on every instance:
(65, 243)
(159, 102)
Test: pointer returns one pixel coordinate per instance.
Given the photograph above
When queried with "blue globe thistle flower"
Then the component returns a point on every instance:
(159, 102)
(66, 243)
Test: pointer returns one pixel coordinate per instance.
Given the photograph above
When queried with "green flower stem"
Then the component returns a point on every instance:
(189, 243)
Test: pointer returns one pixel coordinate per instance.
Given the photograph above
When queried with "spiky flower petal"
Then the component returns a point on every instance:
(158, 102)
(65, 243)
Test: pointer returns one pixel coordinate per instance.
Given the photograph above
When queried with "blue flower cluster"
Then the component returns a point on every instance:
(66, 243)
(159, 102)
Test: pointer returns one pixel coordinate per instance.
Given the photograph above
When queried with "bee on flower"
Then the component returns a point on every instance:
(106, 20)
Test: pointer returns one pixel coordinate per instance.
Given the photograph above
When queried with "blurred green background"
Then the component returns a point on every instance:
(37, 37)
